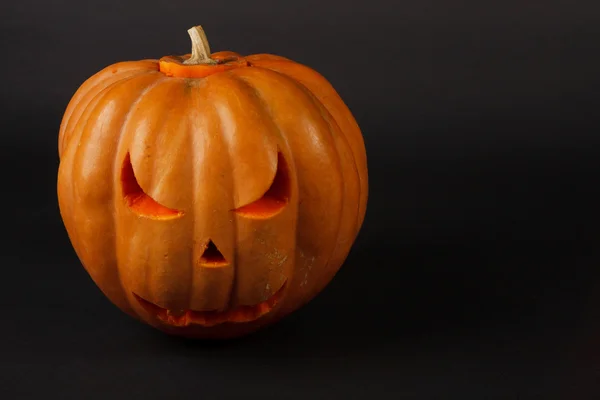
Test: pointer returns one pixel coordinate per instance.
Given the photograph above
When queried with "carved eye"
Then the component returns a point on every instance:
(138, 201)
(274, 199)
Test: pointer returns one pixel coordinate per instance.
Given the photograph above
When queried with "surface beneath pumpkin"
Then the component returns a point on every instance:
(210, 318)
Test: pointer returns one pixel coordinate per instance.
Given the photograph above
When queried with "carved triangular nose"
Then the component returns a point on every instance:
(212, 257)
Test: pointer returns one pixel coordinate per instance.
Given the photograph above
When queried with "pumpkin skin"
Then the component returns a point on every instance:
(210, 201)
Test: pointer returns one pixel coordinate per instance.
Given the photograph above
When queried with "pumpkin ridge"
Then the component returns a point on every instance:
(77, 104)
(67, 136)
(233, 285)
(319, 106)
(158, 140)
(156, 133)
(342, 114)
(194, 185)
(332, 154)
(234, 141)
(115, 167)
(89, 109)
(102, 97)
(328, 118)
(287, 155)
(268, 271)
(264, 105)
(73, 157)
(333, 124)
(204, 142)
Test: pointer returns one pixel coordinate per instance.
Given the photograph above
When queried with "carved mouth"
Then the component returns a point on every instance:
(182, 318)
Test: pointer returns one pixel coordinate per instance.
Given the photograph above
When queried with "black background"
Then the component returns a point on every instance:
(476, 274)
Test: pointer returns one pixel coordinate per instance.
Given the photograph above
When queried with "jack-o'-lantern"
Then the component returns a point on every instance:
(209, 195)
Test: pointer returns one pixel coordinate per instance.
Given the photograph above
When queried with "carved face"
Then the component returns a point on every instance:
(211, 207)
(197, 283)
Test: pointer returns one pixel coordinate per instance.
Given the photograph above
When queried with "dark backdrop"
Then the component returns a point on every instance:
(476, 273)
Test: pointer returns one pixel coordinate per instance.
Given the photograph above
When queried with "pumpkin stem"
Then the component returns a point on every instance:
(200, 47)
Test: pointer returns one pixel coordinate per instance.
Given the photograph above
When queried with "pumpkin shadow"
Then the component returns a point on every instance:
(442, 291)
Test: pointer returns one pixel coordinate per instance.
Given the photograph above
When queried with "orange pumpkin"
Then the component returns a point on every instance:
(209, 195)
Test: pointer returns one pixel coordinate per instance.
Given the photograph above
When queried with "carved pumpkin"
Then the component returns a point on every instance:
(210, 195)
